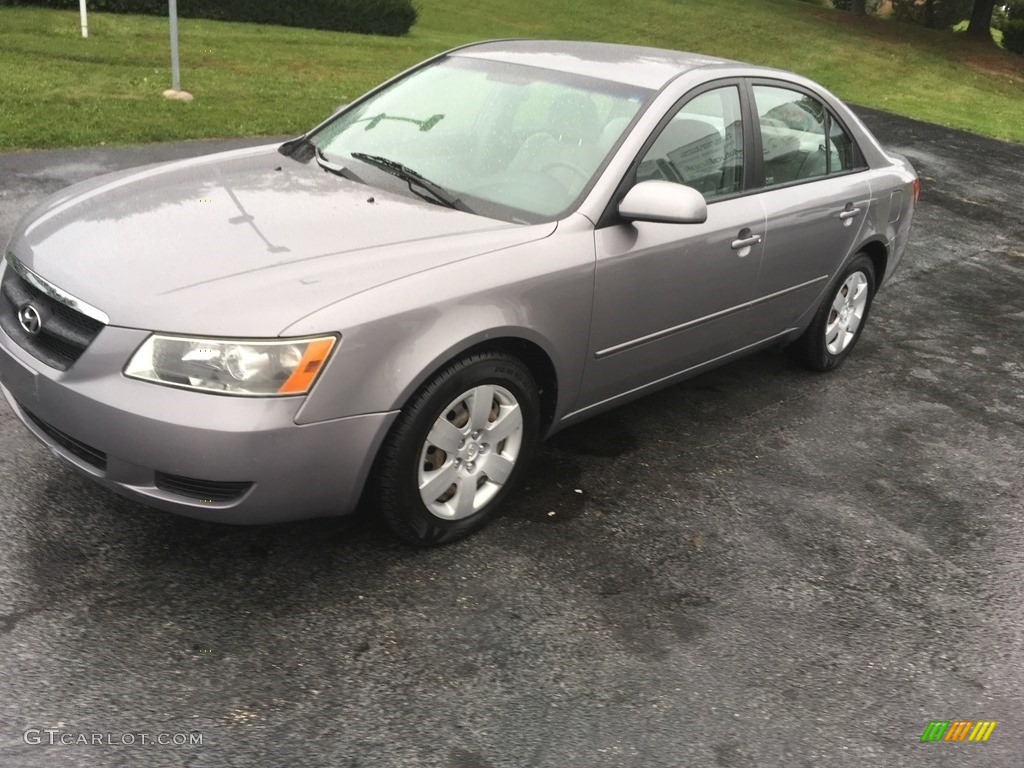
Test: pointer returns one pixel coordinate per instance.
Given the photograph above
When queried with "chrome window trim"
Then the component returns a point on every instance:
(55, 293)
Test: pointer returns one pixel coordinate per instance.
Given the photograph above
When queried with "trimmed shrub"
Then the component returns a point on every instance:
(1015, 10)
(999, 18)
(1013, 36)
(374, 17)
(937, 14)
(871, 6)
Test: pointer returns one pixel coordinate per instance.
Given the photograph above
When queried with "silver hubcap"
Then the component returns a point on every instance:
(470, 452)
(847, 313)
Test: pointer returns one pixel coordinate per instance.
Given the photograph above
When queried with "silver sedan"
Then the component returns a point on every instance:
(500, 242)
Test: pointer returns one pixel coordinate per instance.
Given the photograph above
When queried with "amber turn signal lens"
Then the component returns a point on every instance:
(309, 366)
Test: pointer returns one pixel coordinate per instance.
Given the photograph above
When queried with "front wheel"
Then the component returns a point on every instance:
(840, 318)
(457, 449)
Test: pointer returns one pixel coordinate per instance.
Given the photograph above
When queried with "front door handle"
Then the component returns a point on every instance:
(745, 242)
(849, 213)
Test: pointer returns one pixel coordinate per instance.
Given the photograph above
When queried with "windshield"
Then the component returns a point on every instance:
(508, 141)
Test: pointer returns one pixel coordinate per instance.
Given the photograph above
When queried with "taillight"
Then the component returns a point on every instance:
(917, 190)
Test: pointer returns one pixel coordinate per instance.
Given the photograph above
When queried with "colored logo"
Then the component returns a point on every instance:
(958, 730)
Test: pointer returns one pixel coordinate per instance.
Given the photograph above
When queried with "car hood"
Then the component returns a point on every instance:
(240, 243)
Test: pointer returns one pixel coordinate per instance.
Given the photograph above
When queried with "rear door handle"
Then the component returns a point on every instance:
(745, 242)
(849, 213)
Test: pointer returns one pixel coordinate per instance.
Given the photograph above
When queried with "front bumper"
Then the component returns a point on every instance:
(220, 458)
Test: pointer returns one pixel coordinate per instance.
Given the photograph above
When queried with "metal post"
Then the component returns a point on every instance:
(85, 21)
(175, 69)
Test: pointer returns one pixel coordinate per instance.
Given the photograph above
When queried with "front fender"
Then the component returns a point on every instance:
(396, 336)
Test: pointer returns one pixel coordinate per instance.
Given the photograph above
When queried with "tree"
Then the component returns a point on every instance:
(929, 14)
(981, 19)
(859, 7)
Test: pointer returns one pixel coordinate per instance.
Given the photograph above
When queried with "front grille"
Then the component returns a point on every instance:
(65, 332)
(86, 453)
(204, 490)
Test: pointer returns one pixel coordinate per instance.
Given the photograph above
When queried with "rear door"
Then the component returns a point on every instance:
(815, 195)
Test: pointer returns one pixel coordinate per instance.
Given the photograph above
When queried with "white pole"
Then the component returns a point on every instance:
(85, 21)
(175, 69)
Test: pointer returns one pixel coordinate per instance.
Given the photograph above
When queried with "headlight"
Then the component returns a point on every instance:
(232, 367)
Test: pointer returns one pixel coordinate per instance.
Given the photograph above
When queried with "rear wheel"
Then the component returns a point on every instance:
(457, 449)
(840, 318)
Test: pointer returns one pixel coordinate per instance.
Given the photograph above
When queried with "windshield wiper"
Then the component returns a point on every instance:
(327, 165)
(435, 192)
(336, 168)
(304, 150)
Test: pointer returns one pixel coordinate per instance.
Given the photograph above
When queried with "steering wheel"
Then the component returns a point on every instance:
(578, 172)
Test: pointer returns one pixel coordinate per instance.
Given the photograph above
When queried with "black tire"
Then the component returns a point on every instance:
(811, 350)
(407, 455)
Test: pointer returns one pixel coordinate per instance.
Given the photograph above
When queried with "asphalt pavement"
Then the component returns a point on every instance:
(759, 567)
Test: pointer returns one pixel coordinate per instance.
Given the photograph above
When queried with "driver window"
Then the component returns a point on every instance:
(701, 147)
(561, 133)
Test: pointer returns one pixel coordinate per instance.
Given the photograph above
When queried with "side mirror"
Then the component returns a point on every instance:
(658, 200)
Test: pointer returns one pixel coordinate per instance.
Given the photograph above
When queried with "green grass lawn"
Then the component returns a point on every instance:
(58, 90)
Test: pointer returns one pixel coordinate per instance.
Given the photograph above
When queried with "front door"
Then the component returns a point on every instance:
(668, 297)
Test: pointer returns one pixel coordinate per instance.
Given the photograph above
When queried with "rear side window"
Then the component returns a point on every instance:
(701, 146)
(799, 138)
(842, 151)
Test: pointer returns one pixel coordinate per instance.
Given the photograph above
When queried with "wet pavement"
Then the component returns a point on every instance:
(760, 567)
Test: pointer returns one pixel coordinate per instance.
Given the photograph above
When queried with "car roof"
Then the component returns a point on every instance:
(630, 64)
